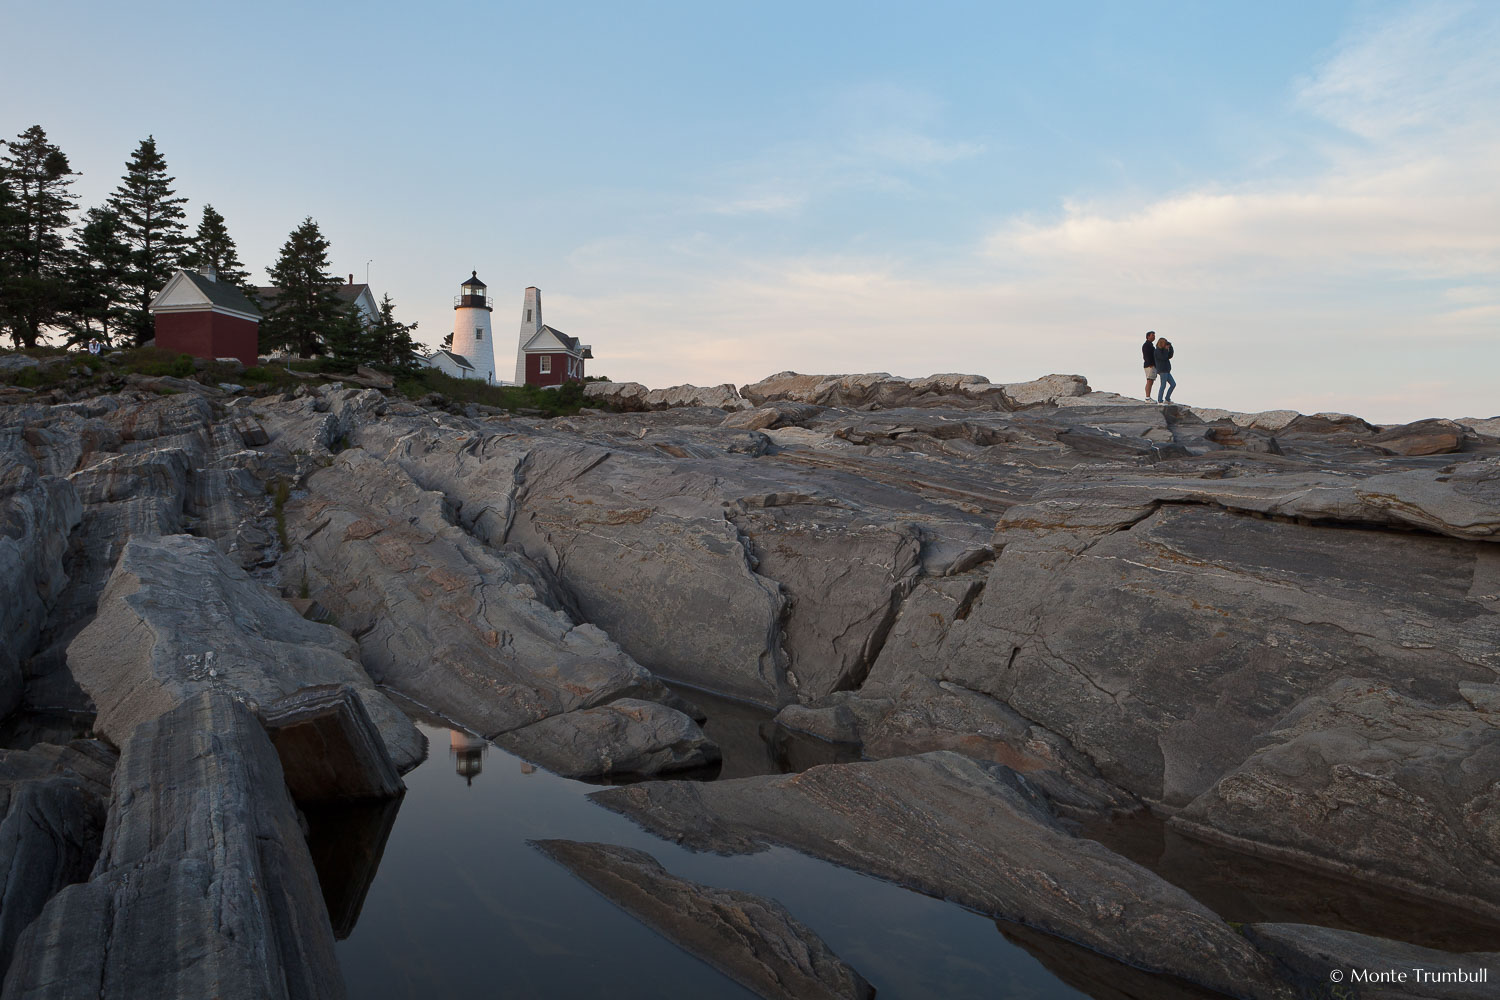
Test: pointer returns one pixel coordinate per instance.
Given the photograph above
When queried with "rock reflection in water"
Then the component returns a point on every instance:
(1096, 976)
(347, 841)
(1246, 889)
(464, 905)
(753, 744)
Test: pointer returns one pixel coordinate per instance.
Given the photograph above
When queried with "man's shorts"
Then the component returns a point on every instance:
(1151, 371)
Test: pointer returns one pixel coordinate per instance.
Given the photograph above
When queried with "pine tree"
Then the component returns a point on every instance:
(96, 277)
(306, 306)
(37, 178)
(151, 215)
(392, 340)
(10, 257)
(212, 246)
(349, 338)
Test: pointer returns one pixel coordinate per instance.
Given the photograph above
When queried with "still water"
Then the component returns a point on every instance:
(461, 905)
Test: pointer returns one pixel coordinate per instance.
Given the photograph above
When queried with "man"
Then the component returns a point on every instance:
(1148, 354)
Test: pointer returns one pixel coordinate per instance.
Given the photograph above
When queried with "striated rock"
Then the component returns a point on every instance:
(751, 939)
(1373, 785)
(624, 737)
(1423, 437)
(329, 748)
(321, 421)
(802, 586)
(625, 396)
(37, 513)
(1045, 391)
(178, 617)
(1164, 642)
(632, 396)
(776, 415)
(1313, 953)
(52, 813)
(476, 632)
(845, 579)
(1489, 427)
(204, 887)
(967, 832)
(887, 391)
(723, 397)
(639, 546)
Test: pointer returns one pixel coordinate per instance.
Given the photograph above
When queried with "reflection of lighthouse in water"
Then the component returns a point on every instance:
(468, 753)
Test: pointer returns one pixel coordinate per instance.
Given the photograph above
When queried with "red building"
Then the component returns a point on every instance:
(553, 357)
(198, 315)
(544, 355)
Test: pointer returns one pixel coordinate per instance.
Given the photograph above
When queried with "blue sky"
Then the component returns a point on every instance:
(1302, 196)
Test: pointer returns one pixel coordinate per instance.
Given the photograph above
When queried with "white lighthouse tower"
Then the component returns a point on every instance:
(471, 328)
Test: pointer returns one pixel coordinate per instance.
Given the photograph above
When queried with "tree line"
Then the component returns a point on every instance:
(92, 275)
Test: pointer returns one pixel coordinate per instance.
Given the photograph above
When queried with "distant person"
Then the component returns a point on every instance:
(1163, 354)
(1148, 354)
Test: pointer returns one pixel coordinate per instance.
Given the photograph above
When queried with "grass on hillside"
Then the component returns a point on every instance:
(57, 369)
(565, 400)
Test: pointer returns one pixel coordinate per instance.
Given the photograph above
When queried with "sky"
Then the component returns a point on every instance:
(1303, 197)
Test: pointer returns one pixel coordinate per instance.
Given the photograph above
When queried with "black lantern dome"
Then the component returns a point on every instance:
(472, 294)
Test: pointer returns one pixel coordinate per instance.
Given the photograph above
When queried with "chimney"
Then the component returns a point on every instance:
(351, 279)
(207, 270)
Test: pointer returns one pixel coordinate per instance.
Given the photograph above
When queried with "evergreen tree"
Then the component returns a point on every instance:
(10, 243)
(448, 341)
(212, 246)
(392, 340)
(37, 205)
(96, 277)
(349, 338)
(306, 306)
(151, 215)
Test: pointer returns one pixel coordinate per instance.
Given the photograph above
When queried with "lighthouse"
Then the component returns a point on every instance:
(471, 328)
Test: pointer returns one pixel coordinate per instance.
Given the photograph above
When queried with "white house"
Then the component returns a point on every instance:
(450, 364)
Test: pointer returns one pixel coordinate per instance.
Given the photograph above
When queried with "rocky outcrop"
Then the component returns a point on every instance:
(1121, 602)
(1373, 785)
(330, 749)
(750, 939)
(634, 397)
(204, 887)
(888, 391)
(52, 811)
(976, 834)
(1163, 643)
(476, 632)
(1372, 968)
(179, 617)
(37, 513)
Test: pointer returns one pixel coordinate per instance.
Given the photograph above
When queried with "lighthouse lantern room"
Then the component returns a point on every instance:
(471, 327)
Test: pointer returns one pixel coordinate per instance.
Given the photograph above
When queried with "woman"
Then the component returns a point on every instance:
(1163, 354)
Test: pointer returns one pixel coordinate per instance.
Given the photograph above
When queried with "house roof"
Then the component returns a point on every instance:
(457, 359)
(346, 294)
(221, 293)
(571, 344)
(189, 291)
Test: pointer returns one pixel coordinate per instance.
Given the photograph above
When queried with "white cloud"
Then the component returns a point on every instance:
(1370, 283)
(1427, 68)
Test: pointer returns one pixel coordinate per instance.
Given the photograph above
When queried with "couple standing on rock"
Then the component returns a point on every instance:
(1158, 357)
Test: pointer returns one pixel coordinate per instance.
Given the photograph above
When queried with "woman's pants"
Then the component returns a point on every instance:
(1168, 383)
